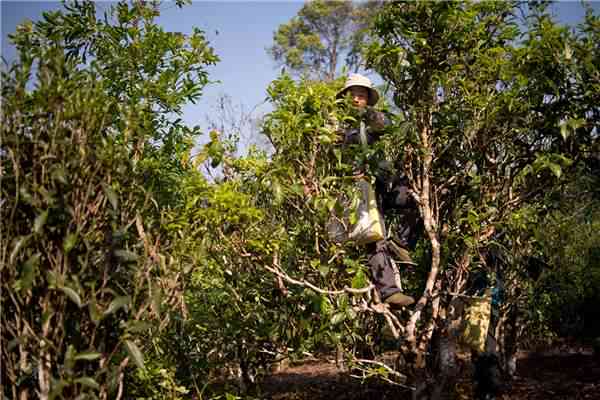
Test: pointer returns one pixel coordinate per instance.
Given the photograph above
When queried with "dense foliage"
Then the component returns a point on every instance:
(90, 156)
(127, 273)
(493, 132)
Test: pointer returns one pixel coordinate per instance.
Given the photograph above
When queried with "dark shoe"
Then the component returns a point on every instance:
(398, 300)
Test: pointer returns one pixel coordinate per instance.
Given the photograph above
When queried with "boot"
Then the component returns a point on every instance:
(398, 300)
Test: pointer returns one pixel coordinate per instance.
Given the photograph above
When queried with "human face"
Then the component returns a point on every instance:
(359, 95)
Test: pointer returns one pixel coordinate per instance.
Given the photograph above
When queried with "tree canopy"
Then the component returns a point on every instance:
(322, 35)
(128, 273)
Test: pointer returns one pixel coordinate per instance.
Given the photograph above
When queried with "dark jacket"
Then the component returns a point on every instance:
(391, 186)
(376, 122)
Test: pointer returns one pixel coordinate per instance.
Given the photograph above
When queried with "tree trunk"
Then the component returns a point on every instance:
(506, 332)
(426, 204)
(445, 368)
(333, 60)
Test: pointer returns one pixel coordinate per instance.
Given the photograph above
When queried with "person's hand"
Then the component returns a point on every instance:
(374, 119)
(358, 175)
(369, 113)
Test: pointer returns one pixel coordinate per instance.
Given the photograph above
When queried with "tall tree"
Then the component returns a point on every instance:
(323, 34)
(483, 144)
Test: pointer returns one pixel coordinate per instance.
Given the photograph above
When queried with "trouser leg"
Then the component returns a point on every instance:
(395, 199)
(381, 269)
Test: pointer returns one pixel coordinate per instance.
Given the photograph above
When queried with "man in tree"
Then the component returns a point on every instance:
(391, 193)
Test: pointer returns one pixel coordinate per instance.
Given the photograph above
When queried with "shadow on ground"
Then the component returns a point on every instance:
(539, 377)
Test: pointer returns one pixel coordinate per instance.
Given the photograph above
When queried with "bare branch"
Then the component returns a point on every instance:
(395, 326)
(309, 285)
(368, 371)
(122, 376)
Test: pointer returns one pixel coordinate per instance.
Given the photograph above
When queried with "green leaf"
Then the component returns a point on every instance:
(359, 280)
(40, 221)
(564, 132)
(87, 381)
(57, 389)
(555, 168)
(350, 314)
(59, 175)
(277, 192)
(19, 243)
(72, 294)
(156, 299)
(111, 195)
(324, 270)
(353, 217)
(28, 273)
(70, 242)
(88, 356)
(126, 255)
(338, 318)
(117, 303)
(95, 315)
(70, 358)
(135, 353)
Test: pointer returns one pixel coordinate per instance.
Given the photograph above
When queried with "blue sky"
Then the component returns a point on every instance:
(245, 29)
(239, 31)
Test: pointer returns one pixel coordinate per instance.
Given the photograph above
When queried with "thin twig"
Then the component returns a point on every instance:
(462, 295)
(390, 370)
(380, 364)
(309, 285)
(121, 376)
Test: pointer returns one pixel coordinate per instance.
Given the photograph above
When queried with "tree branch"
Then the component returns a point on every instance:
(388, 369)
(309, 285)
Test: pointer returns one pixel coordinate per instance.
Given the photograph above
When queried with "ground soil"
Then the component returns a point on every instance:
(540, 376)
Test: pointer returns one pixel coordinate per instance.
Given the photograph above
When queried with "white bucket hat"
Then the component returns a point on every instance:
(359, 80)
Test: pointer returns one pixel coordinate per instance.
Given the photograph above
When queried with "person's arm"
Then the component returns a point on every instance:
(377, 121)
(351, 136)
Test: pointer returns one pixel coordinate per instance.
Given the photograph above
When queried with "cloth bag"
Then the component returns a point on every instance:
(477, 322)
(369, 226)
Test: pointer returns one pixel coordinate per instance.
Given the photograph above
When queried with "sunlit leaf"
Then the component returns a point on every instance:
(117, 303)
(87, 381)
(135, 353)
(555, 168)
(18, 244)
(40, 221)
(72, 294)
(338, 318)
(88, 356)
(70, 242)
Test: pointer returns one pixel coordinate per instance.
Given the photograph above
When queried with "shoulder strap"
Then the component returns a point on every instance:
(363, 133)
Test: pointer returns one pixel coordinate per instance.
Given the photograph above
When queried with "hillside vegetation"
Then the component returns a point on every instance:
(128, 273)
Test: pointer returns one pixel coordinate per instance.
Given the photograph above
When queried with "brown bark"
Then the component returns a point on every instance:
(426, 201)
(44, 360)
